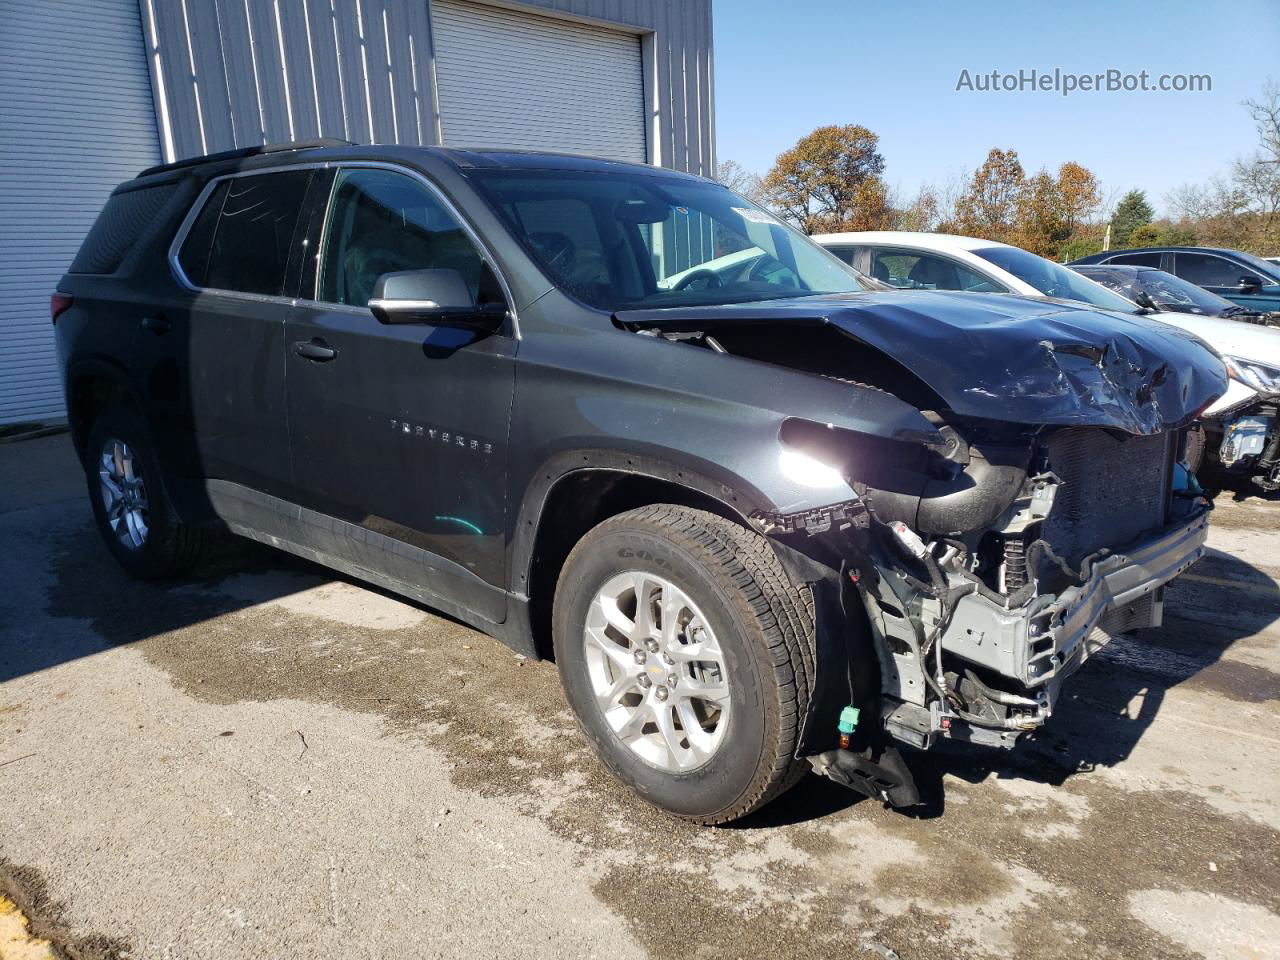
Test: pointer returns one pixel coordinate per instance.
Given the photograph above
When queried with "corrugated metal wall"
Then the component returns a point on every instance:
(76, 118)
(231, 73)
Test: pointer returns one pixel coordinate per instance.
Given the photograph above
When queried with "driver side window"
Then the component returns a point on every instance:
(385, 222)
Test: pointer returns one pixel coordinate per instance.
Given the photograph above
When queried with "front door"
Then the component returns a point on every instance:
(400, 431)
(1226, 278)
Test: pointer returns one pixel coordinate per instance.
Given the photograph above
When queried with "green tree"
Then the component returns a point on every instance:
(1144, 235)
(1132, 211)
(830, 180)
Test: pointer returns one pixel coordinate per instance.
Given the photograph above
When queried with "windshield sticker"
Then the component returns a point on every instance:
(753, 216)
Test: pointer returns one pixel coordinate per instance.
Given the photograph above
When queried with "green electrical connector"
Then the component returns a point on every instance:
(848, 720)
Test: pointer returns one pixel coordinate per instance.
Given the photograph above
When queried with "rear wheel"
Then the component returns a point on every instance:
(685, 652)
(133, 513)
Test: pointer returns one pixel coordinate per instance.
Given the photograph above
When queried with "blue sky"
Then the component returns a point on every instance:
(783, 68)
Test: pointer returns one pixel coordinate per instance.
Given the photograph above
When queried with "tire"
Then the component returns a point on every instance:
(761, 623)
(164, 546)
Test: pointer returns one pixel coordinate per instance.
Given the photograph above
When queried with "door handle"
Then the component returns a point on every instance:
(158, 324)
(316, 350)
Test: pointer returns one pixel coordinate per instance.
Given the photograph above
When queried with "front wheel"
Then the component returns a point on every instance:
(686, 653)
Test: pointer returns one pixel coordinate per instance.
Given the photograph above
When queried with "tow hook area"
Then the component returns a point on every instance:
(886, 779)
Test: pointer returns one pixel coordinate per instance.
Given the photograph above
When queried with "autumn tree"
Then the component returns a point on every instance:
(739, 179)
(988, 206)
(1080, 195)
(1132, 211)
(831, 181)
(922, 213)
(1041, 224)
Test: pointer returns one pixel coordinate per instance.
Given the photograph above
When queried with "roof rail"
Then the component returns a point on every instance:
(246, 152)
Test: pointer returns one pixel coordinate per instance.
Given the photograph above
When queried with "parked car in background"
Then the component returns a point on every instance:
(1252, 282)
(1155, 289)
(1241, 439)
(766, 519)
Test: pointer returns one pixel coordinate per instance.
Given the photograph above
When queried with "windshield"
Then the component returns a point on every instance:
(1166, 291)
(1054, 280)
(1177, 294)
(623, 240)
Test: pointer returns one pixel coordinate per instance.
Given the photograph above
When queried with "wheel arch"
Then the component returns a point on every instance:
(91, 386)
(578, 491)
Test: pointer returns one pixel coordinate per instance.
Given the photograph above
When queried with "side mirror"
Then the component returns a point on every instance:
(1143, 299)
(437, 297)
(1250, 284)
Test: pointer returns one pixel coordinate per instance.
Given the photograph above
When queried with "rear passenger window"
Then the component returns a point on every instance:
(241, 238)
(1137, 259)
(119, 226)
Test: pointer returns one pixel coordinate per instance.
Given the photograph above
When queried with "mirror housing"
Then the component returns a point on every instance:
(1143, 300)
(437, 297)
(1250, 285)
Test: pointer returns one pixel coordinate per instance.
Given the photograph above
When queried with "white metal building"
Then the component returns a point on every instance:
(92, 91)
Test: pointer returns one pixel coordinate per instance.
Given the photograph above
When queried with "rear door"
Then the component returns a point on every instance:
(400, 431)
(210, 358)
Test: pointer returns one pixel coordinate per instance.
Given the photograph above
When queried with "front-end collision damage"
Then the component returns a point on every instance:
(992, 552)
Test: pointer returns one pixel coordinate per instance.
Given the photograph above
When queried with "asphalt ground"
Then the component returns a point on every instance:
(267, 760)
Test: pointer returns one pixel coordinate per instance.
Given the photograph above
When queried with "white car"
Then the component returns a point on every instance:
(1243, 431)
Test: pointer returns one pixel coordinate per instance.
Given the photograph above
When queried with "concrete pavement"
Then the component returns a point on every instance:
(266, 760)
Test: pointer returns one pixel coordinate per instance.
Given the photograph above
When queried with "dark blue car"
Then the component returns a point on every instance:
(1242, 278)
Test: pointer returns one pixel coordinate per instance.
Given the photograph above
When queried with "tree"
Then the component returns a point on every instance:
(1080, 194)
(739, 179)
(1041, 221)
(820, 183)
(988, 207)
(1132, 211)
(922, 214)
(1145, 235)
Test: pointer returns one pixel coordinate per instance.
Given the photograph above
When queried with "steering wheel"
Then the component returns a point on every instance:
(704, 273)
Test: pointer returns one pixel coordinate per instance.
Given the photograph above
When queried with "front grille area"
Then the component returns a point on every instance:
(1113, 489)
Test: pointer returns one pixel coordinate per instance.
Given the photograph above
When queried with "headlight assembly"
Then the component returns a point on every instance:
(1261, 377)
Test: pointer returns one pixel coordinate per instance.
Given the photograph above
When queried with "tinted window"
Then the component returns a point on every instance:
(1206, 270)
(1174, 293)
(1137, 259)
(242, 236)
(1052, 279)
(119, 226)
(923, 271)
(384, 222)
(844, 253)
(657, 240)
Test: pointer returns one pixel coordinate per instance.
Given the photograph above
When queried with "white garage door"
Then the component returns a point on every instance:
(508, 79)
(76, 118)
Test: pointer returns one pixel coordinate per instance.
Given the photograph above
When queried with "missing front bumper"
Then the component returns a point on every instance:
(1043, 643)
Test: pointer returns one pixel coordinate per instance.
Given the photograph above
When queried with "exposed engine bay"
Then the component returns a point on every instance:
(991, 556)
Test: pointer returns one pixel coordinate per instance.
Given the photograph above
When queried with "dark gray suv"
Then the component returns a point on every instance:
(763, 518)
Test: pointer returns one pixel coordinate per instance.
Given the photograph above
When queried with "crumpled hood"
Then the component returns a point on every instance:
(1004, 357)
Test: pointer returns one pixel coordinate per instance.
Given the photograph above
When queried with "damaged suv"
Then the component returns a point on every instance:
(764, 519)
